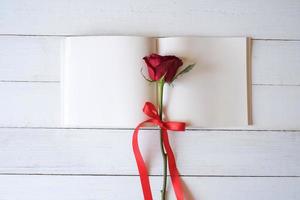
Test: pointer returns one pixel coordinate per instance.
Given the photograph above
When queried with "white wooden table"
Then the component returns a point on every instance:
(41, 160)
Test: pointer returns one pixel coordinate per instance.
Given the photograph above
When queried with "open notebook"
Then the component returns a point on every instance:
(102, 85)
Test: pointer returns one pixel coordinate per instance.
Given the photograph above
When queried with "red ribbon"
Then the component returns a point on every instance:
(150, 110)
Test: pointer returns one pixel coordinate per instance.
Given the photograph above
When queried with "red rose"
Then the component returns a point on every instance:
(159, 66)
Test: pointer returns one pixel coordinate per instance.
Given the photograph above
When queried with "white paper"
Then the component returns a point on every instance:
(214, 93)
(102, 85)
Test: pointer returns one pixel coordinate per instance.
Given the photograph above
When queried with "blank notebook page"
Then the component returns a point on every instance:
(102, 84)
(214, 93)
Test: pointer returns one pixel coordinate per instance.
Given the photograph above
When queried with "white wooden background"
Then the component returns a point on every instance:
(41, 160)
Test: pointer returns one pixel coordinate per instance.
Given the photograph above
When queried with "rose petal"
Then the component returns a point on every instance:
(159, 66)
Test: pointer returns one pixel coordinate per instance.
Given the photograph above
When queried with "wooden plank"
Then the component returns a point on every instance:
(270, 19)
(29, 104)
(276, 62)
(30, 58)
(85, 151)
(276, 107)
(38, 104)
(114, 188)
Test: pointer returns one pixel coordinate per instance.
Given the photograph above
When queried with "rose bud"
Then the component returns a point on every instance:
(162, 66)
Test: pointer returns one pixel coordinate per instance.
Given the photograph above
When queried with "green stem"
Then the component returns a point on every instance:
(160, 88)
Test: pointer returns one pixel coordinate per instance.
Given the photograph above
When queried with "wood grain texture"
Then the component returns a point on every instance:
(37, 104)
(269, 19)
(29, 104)
(34, 58)
(95, 188)
(276, 107)
(276, 62)
(30, 58)
(108, 152)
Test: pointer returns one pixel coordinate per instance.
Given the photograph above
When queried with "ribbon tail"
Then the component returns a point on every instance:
(143, 171)
(172, 167)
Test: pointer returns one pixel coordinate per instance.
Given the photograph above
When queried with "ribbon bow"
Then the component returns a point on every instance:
(150, 110)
